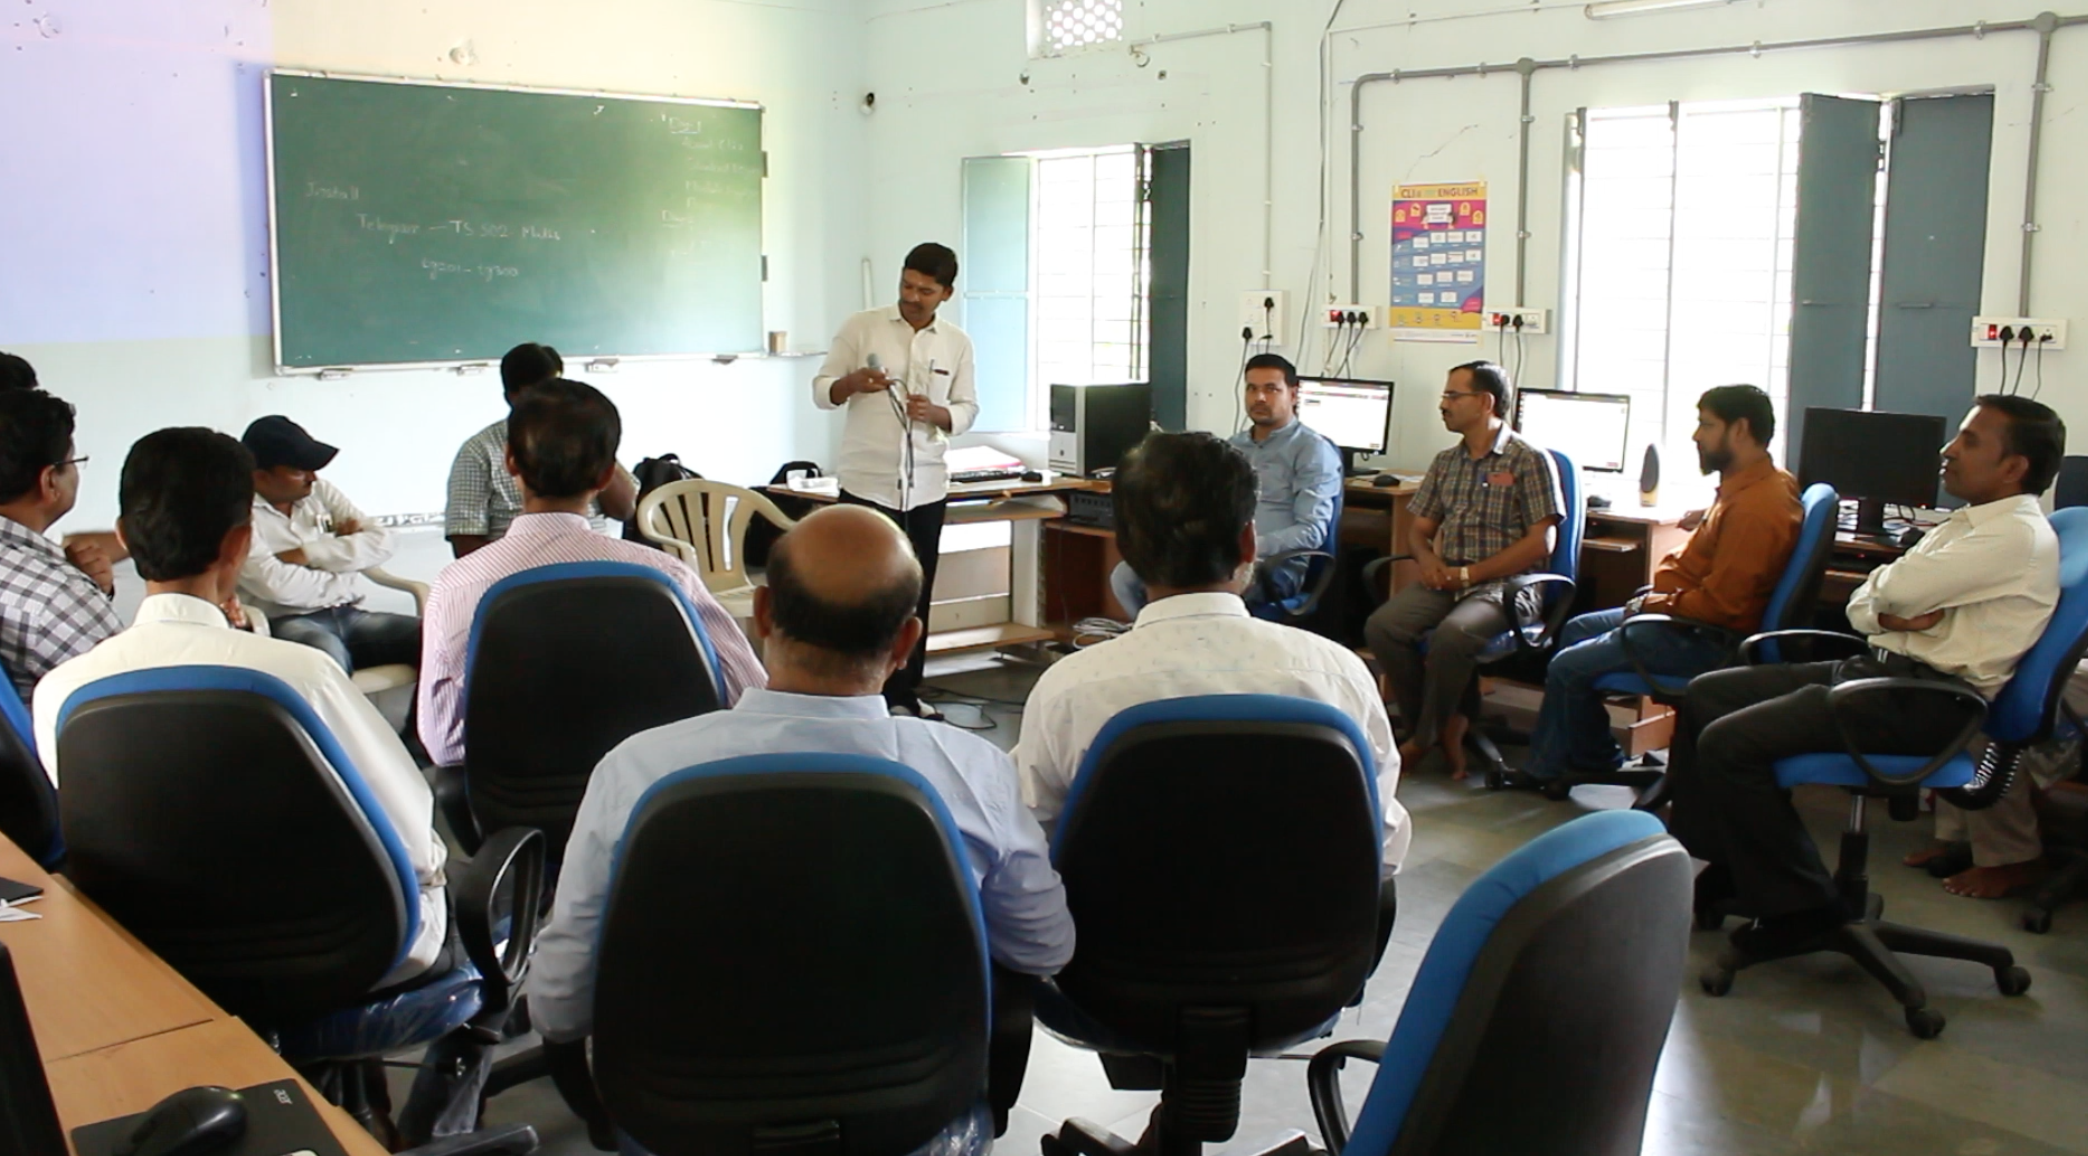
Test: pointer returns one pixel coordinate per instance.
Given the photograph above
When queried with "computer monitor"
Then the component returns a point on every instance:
(1875, 458)
(28, 1119)
(1353, 413)
(1590, 428)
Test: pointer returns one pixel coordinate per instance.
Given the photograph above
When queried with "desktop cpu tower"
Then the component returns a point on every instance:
(1094, 426)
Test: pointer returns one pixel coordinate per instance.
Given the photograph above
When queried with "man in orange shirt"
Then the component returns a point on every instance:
(1722, 576)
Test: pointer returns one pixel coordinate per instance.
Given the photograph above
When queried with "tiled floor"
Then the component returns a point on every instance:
(1804, 1056)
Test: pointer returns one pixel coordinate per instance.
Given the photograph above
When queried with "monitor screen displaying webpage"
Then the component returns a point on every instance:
(1354, 415)
(1590, 428)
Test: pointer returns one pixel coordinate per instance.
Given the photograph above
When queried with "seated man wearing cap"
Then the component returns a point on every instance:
(310, 548)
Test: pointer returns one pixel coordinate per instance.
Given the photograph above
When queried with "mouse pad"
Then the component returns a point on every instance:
(281, 1121)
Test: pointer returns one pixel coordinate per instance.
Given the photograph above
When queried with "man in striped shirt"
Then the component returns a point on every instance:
(562, 439)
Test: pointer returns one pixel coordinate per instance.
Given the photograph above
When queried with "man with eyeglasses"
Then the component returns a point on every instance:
(54, 601)
(1485, 513)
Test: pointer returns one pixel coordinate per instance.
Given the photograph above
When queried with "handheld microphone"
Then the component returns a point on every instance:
(875, 362)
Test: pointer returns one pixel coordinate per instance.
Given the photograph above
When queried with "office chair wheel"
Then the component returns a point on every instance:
(1719, 980)
(2037, 921)
(1496, 780)
(1558, 790)
(2012, 980)
(1925, 1022)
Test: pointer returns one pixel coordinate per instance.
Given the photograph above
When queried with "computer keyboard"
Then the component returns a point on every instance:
(972, 477)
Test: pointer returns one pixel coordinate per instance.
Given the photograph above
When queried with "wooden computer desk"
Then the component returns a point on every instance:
(117, 1028)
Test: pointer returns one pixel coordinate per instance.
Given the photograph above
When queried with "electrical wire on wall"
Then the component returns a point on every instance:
(1240, 379)
(2039, 387)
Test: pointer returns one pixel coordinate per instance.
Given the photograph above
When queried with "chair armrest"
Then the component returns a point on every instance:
(1855, 644)
(1313, 593)
(1323, 1082)
(453, 795)
(1842, 701)
(501, 887)
(1552, 622)
(575, 1083)
(1376, 566)
(417, 588)
(1008, 1048)
(1641, 623)
(499, 1140)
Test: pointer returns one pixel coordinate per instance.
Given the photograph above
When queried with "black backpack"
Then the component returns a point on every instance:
(762, 533)
(652, 473)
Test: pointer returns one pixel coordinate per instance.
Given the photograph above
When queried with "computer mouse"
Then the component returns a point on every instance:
(1909, 538)
(190, 1122)
(1383, 480)
(1598, 502)
(1032, 476)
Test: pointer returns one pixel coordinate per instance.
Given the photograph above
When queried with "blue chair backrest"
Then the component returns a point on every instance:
(2026, 708)
(1795, 592)
(791, 938)
(1278, 709)
(1566, 546)
(28, 805)
(1569, 949)
(177, 779)
(563, 663)
(567, 571)
(1221, 851)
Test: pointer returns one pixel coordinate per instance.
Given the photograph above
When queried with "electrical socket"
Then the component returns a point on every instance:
(1354, 316)
(1533, 320)
(1263, 311)
(1986, 332)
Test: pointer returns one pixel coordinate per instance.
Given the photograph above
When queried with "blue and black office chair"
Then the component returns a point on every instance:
(793, 960)
(2022, 715)
(1539, 1014)
(211, 812)
(1318, 598)
(1523, 650)
(1222, 859)
(1790, 608)
(563, 663)
(28, 805)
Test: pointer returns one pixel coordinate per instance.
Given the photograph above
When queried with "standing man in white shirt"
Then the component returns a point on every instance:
(186, 515)
(1962, 606)
(310, 548)
(1185, 506)
(905, 378)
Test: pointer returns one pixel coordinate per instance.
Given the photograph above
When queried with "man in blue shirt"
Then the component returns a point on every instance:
(1298, 474)
(836, 619)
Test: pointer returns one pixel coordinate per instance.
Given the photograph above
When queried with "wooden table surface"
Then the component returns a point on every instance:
(117, 1028)
(88, 984)
(131, 1077)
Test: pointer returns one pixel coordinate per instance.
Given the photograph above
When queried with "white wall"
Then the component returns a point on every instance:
(133, 230)
(950, 83)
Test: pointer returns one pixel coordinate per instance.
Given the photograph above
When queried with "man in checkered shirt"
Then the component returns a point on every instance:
(1484, 513)
(54, 601)
(484, 499)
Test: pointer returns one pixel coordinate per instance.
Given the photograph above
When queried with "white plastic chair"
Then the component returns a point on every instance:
(704, 523)
(376, 680)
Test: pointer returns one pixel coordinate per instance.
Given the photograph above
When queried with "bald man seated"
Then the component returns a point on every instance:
(836, 619)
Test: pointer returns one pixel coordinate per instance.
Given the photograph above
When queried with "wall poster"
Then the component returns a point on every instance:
(1438, 262)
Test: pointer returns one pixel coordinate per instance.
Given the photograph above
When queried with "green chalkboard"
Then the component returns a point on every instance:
(431, 223)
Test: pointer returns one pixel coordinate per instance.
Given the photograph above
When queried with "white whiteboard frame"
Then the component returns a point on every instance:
(275, 279)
